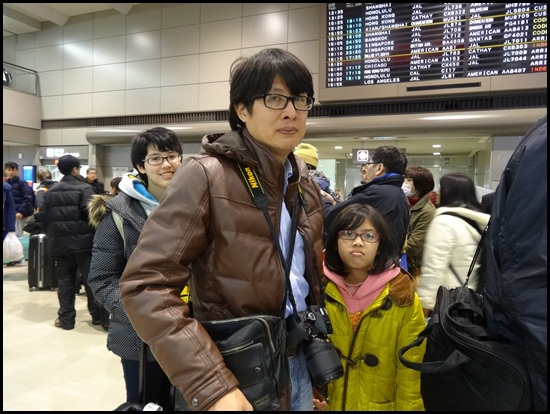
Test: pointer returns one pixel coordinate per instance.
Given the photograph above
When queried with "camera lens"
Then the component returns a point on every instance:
(322, 361)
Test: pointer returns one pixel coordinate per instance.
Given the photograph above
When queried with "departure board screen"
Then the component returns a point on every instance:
(388, 43)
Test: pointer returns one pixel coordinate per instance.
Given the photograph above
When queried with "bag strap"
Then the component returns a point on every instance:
(259, 198)
(477, 252)
(468, 220)
(119, 224)
(455, 359)
(478, 248)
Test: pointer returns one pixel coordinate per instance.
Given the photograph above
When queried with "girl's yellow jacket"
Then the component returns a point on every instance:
(374, 378)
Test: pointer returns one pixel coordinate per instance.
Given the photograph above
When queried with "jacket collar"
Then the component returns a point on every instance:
(241, 147)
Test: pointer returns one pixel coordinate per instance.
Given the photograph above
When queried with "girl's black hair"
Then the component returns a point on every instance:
(350, 218)
(163, 139)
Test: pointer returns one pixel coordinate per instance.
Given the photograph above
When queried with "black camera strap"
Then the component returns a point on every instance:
(259, 198)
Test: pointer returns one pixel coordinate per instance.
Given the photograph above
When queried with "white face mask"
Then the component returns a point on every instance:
(407, 189)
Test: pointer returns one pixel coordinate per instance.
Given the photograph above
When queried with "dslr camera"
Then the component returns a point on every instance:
(313, 327)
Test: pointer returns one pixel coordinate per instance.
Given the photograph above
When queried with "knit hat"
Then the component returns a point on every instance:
(308, 153)
(66, 163)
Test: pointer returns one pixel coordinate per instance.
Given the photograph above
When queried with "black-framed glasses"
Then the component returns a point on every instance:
(276, 101)
(158, 160)
(369, 236)
(370, 163)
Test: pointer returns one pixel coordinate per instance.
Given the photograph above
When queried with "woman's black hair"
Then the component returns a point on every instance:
(350, 218)
(251, 77)
(163, 139)
(458, 190)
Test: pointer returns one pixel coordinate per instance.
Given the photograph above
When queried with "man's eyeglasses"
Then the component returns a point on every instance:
(158, 160)
(276, 101)
(369, 236)
(370, 163)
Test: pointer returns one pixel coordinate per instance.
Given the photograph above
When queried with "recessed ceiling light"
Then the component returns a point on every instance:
(437, 153)
(338, 147)
(436, 145)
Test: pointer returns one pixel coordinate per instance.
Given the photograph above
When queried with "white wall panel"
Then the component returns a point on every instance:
(78, 28)
(109, 103)
(78, 54)
(265, 29)
(108, 24)
(109, 77)
(143, 101)
(212, 12)
(214, 97)
(183, 98)
(143, 17)
(51, 34)
(221, 35)
(182, 70)
(77, 106)
(144, 45)
(77, 81)
(110, 50)
(180, 41)
(214, 67)
(50, 83)
(49, 58)
(180, 14)
(52, 108)
(143, 74)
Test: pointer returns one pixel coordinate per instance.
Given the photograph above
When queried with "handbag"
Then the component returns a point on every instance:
(33, 226)
(253, 348)
(13, 249)
(464, 368)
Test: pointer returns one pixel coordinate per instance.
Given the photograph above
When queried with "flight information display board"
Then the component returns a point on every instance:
(388, 43)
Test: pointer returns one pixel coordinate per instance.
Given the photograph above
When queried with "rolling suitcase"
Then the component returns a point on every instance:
(41, 269)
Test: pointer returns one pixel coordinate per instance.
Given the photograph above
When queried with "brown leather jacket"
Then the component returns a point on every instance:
(207, 221)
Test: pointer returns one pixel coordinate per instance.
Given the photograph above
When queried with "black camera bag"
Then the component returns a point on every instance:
(253, 348)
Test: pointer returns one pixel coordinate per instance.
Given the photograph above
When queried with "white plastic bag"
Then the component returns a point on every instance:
(13, 249)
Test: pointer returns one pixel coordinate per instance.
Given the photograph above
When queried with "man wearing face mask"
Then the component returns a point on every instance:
(418, 184)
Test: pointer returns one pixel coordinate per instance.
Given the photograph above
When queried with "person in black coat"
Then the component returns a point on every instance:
(516, 286)
(23, 196)
(384, 177)
(8, 211)
(91, 178)
(70, 238)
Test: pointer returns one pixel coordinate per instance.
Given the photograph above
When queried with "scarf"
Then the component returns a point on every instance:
(359, 299)
(135, 188)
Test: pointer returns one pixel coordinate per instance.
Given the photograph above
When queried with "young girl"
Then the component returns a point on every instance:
(374, 312)
(156, 154)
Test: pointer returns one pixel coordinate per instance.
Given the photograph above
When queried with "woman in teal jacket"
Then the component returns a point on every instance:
(374, 312)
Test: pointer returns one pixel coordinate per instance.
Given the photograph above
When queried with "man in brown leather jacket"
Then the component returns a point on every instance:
(207, 232)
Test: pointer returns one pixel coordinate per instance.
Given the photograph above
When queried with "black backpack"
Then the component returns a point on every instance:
(464, 368)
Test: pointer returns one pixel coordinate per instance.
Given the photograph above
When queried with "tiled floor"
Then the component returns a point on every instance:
(47, 368)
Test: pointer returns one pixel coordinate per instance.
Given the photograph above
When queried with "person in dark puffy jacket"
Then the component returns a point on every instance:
(23, 196)
(8, 210)
(70, 238)
(516, 281)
